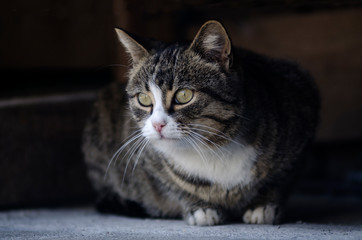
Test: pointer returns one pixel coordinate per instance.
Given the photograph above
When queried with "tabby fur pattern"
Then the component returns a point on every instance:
(228, 153)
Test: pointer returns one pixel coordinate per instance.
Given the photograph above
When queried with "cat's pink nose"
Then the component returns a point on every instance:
(158, 126)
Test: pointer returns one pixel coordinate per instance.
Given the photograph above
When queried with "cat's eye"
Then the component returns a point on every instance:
(184, 96)
(144, 100)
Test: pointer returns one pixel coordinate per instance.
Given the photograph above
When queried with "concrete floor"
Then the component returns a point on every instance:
(86, 223)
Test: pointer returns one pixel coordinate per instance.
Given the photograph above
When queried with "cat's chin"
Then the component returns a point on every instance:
(163, 143)
(165, 140)
(161, 138)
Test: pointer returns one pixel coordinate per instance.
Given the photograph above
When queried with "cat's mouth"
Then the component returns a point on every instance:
(167, 138)
(162, 137)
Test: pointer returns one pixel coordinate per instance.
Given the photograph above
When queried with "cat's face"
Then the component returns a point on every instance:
(183, 96)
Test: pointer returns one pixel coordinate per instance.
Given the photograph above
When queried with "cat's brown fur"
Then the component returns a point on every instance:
(258, 118)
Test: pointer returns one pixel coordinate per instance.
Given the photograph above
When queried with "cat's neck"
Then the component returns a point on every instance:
(229, 166)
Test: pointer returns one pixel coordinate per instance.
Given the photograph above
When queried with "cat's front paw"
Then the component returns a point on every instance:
(203, 217)
(267, 214)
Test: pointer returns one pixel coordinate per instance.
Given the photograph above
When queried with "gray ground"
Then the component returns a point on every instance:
(85, 223)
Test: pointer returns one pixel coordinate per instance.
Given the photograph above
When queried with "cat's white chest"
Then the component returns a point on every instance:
(230, 168)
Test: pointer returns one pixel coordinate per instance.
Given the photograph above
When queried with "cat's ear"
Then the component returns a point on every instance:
(135, 50)
(213, 43)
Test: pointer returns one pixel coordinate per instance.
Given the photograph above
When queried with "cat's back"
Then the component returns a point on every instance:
(281, 101)
(278, 85)
(276, 74)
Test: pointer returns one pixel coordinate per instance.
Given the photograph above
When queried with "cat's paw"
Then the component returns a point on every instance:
(203, 217)
(267, 214)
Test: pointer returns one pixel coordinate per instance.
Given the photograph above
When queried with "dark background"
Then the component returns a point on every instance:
(56, 54)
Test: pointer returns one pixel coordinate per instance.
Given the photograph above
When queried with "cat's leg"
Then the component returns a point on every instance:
(203, 217)
(263, 214)
(267, 207)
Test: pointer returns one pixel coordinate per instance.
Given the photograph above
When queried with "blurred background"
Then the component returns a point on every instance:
(56, 54)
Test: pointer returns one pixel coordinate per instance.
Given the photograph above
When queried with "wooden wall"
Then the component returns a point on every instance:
(55, 33)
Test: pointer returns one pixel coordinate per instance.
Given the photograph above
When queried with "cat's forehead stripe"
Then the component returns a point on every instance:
(176, 54)
(164, 67)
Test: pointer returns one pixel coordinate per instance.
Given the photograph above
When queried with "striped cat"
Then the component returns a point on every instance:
(202, 131)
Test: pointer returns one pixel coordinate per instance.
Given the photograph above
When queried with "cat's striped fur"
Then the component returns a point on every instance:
(228, 153)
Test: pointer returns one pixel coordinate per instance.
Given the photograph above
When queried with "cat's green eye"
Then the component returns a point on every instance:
(144, 100)
(184, 96)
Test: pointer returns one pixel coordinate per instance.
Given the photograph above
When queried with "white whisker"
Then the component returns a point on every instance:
(145, 143)
(130, 138)
(197, 148)
(135, 138)
(133, 149)
(217, 146)
(240, 116)
(216, 132)
(205, 144)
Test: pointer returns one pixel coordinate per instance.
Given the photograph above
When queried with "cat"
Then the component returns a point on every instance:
(202, 131)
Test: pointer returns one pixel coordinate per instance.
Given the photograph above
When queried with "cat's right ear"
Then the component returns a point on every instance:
(133, 48)
(213, 43)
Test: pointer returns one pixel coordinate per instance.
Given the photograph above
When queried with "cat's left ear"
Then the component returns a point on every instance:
(213, 43)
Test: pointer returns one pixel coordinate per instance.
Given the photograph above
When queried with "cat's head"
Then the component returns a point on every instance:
(184, 94)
